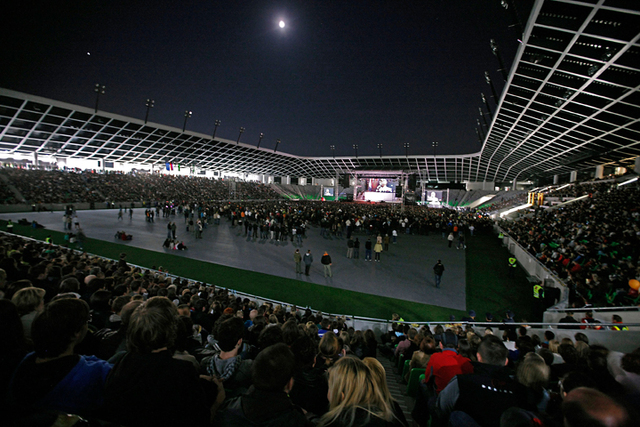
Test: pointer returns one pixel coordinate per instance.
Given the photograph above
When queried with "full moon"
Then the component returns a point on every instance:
(281, 24)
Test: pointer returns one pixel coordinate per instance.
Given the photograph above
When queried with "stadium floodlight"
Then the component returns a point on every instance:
(493, 89)
(260, 139)
(239, 135)
(187, 114)
(149, 104)
(484, 101)
(434, 144)
(99, 90)
(479, 128)
(496, 52)
(355, 148)
(406, 149)
(215, 128)
(484, 119)
(277, 143)
(380, 149)
(333, 150)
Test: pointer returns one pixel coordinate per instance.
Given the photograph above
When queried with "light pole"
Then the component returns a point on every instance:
(187, 114)
(406, 149)
(493, 89)
(277, 143)
(434, 144)
(99, 90)
(355, 147)
(239, 135)
(480, 126)
(486, 104)
(150, 104)
(215, 128)
(496, 52)
(380, 149)
(483, 118)
(333, 150)
(260, 139)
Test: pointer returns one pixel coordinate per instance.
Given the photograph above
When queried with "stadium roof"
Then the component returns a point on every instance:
(572, 98)
(571, 102)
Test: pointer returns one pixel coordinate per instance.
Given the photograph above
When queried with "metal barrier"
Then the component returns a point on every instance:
(623, 341)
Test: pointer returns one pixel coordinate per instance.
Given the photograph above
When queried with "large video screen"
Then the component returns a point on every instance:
(433, 196)
(381, 185)
(328, 192)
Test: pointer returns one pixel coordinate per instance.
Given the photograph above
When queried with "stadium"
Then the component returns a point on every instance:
(541, 221)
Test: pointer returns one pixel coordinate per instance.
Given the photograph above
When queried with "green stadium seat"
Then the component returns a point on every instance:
(415, 377)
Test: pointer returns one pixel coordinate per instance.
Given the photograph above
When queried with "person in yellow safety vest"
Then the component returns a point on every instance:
(538, 291)
(538, 298)
(512, 266)
(618, 319)
(501, 235)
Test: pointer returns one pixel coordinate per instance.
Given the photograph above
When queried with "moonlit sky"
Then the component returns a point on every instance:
(339, 72)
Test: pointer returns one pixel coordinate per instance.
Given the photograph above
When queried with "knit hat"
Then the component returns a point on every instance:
(472, 313)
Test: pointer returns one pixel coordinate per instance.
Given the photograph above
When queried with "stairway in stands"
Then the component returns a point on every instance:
(397, 387)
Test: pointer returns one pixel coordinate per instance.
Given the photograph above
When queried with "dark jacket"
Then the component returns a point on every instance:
(263, 408)
(484, 395)
(307, 258)
(438, 269)
(140, 386)
(362, 419)
(310, 391)
(325, 260)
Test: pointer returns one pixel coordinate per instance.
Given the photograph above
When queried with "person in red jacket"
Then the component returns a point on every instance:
(446, 365)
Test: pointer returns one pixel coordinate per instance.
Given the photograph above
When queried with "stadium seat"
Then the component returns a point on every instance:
(415, 377)
(405, 368)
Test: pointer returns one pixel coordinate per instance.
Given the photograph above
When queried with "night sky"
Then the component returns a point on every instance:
(339, 73)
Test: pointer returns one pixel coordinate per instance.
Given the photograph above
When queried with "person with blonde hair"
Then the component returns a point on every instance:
(380, 380)
(533, 373)
(554, 346)
(354, 398)
(29, 302)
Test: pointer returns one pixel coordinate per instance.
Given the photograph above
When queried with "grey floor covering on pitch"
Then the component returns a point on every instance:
(405, 271)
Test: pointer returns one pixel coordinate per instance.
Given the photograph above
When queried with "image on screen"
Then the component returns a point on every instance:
(328, 192)
(434, 196)
(381, 185)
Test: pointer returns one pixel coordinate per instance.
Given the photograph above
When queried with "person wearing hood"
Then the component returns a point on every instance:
(326, 262)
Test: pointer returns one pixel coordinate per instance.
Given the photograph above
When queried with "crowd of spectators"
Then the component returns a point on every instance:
(580, 189)
(592, 244)
(105, 340)
(504, 202)
(57, 186)
(290, 219)
(543, 381)
(41, 186)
